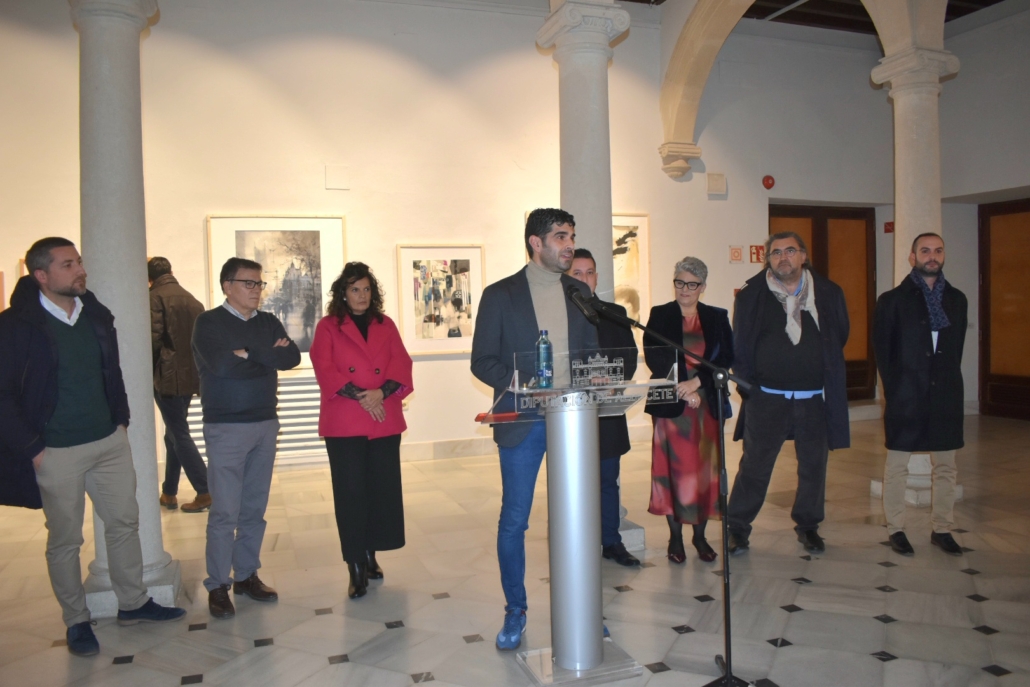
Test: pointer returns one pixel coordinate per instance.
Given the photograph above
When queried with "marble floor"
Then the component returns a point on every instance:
(857, 615)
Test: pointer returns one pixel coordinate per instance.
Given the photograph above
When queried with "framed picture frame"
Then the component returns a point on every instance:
(300, 257)
(632, 262)
(440, 287)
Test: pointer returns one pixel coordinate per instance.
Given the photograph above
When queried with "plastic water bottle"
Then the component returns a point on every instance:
(544, 361)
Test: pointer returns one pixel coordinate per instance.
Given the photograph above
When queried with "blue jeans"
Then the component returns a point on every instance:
(520, 466)
(610, 501)
(180, 449)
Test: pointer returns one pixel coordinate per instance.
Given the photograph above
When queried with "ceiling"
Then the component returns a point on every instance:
(843, 15)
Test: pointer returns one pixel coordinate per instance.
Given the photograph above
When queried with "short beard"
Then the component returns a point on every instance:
(71, 291)
(922, 270)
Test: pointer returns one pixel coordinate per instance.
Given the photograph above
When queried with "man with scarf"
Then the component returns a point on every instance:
(918, 333)
(789, 330)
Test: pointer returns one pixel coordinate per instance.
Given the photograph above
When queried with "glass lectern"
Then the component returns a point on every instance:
(596, 388)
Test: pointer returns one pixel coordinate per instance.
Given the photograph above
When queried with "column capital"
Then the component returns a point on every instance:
(596, 23)
(915, 67)
(138, 11)
(676, 157)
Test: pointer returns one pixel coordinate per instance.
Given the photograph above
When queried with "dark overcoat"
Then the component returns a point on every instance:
(923, 388)
(613, 432)
(834, 328)
(506, 325)
(173, 312)
(667, 320)
(28, 385)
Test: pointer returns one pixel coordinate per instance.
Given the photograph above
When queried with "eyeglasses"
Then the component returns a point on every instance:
(250, 284)
(789, 252)
(688, 285)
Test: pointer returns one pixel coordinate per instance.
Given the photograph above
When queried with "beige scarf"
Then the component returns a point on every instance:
(793, 305)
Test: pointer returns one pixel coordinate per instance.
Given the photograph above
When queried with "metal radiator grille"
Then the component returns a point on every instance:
(298, 416)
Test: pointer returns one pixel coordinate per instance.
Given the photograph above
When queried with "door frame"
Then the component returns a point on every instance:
(861, 376)
(984, 393)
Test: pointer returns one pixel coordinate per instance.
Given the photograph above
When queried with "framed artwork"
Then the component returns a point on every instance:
(440, 287)
(300, 257)
(632, 262)
(3, 294)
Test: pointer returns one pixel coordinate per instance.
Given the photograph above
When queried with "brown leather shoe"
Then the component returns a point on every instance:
(169, 502)
(219, 604)
(198, 505)
(255, 589)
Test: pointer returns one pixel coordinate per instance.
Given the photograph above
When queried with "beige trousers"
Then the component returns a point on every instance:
(895, 477)
(103, 469)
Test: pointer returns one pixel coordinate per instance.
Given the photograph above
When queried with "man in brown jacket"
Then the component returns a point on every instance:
(173, 311)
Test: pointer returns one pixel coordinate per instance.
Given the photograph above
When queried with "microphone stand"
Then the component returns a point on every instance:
(721, 378)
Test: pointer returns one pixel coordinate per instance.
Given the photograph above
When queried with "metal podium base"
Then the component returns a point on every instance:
(617, 665)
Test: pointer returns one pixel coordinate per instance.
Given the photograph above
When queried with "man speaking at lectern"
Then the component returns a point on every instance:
(510, 318)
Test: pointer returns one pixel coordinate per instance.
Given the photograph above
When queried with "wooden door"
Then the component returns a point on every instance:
(1004, 309)
(841, 247)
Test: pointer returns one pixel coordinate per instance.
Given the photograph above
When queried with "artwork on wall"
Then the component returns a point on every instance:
(632, 263)
(3, 294)
(300, 257)
(440, 287)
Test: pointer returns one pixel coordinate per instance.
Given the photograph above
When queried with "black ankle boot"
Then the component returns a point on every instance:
(374, 571)
(358, 579)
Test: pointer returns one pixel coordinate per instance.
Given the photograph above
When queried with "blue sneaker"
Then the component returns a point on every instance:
(607, 634)
(510, 635)
(82, 641)
(150, 612)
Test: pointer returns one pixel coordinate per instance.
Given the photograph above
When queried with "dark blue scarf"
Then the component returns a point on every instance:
(934, 296)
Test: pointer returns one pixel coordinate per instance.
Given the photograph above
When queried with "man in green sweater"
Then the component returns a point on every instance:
(63, 420)
(239, 350)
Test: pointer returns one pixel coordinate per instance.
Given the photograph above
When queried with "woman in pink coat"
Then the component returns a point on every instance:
(363, 371)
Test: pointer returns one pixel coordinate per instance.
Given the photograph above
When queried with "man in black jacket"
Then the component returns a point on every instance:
(63, 421)
(918, 332)
(613, 432)
(789, 329)
(173, 312)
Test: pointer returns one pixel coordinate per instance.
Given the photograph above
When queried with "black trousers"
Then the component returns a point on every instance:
(180, 449)
(769, 420)
(367, 494)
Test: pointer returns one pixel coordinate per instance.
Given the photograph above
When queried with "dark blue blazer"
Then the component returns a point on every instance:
(506, 325)
(28, 385)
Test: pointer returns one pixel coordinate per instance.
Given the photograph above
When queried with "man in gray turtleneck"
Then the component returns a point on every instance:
(511, 315)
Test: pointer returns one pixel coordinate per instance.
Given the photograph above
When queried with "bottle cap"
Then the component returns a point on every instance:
(543, 332)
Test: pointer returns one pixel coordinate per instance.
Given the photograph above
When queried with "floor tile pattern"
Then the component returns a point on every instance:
(857, 615)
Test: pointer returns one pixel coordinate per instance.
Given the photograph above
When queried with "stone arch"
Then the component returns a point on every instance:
(904, 26)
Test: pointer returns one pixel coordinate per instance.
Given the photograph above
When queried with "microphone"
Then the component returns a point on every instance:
(584, 307)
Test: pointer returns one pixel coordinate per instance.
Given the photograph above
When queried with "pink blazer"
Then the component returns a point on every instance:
(340, 355)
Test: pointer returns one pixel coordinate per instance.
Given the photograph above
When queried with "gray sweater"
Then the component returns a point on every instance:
(235, 389)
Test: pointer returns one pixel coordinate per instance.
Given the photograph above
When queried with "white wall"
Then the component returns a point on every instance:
(447, 119)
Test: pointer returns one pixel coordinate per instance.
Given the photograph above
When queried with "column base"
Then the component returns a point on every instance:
(632, 535)
(163, 585)
(541, 668)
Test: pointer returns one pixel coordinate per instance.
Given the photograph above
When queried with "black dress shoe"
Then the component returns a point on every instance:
(946, 542)
(255, 589)
(899, 544)
(704, 550)
(358, 579)
(675, 552)
(737, 544)
(374, 571)
(219, 604)
(812, 542)
(619, 554)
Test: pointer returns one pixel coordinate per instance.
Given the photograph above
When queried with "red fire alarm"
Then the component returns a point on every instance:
(888, 227)
(768, 181)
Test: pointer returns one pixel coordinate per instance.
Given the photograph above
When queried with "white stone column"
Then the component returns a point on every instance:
(914, 76)
(581, 33)
(114, 249)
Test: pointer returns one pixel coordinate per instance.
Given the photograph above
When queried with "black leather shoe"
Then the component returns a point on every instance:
(737, 544)
(704, 550)
(946, 542)
(358, 579)
(899, 544)
(619, 554)
(812, 541)
(255, 589)
(219, 604)
(675, 552)
(374, 571)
